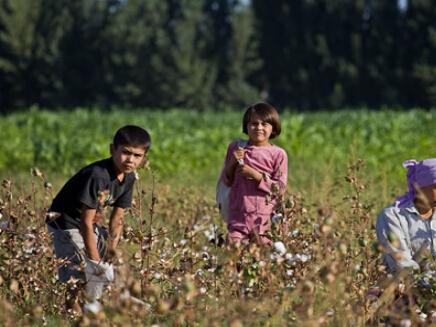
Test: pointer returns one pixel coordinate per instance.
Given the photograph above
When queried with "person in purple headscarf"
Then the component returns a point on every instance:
(406, 230)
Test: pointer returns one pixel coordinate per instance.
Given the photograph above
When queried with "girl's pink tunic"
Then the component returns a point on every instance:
(251, 203)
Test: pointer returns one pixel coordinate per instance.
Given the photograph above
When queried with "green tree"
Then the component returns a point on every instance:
(30, 36)
(419, 48)
(232, 47)
(84, 51)
(4, 87)
(156, 57)
(295, 51)
(335, 53)
(380, 66)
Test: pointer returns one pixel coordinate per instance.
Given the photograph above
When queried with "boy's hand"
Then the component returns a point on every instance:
(250, 173)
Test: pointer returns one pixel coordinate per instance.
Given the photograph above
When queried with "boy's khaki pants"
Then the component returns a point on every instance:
(68, 244)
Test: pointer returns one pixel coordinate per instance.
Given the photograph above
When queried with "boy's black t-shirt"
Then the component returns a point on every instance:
(95, 186)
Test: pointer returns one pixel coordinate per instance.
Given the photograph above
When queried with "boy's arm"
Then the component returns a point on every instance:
(86, 229)
(115, 227)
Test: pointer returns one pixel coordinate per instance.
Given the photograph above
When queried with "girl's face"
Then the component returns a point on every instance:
(259, 131)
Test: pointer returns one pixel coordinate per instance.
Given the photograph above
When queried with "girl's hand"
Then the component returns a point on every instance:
(238, 156)
(235, 161)
(250, 173)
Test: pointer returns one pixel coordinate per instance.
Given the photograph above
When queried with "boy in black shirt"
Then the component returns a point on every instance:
(74, 216)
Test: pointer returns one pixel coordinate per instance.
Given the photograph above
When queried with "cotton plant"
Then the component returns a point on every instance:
(425, 281)
(280, 234)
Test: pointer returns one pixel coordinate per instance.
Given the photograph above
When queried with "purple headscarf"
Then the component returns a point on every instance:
(419, 173)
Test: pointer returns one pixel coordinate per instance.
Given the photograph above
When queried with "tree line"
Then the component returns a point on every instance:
(304, 54)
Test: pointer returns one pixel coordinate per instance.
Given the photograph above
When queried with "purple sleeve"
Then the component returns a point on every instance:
(279, 177)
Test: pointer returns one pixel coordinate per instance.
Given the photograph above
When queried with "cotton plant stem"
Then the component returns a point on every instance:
(141, 227)
(151, 214)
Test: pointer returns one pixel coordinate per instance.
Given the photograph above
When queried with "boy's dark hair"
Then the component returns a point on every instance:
(131, 135)
(265, 112)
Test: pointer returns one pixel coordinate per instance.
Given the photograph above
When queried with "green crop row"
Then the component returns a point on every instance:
(188, 143)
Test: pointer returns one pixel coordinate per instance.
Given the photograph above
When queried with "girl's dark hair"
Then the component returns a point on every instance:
(265, 112)
(131, 135)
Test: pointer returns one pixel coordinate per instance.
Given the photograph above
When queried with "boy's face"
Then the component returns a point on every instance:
(127, 158)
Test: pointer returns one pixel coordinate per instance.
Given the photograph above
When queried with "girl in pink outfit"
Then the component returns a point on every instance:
(256, 174)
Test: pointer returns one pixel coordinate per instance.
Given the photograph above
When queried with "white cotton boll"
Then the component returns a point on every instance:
(422, 316)
(209, 235)
(279, 247)
(30, 236)
(430, 274)
(203, 290)
(290, 258)
(93, 307)
(277, 217)
(330, 312)
(4, 224)
(303, 258)
(157, 276)
(29, 250)
(405, 323)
